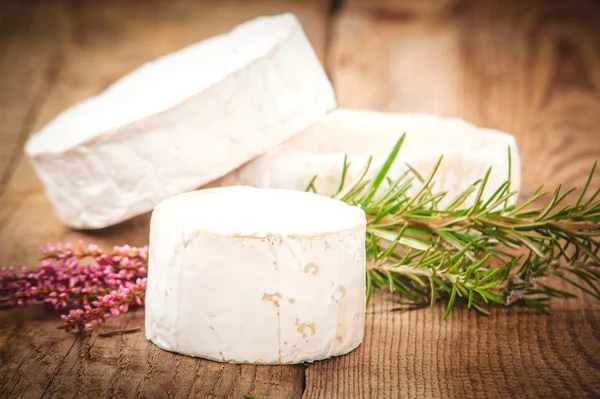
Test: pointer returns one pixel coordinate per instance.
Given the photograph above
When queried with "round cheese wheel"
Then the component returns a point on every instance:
(468, 153)
(246, 275)
(180, 122)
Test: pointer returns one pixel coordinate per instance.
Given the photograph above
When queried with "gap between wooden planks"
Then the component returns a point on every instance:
(518, 66)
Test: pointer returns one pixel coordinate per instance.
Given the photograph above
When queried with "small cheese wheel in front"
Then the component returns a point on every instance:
(246, 275)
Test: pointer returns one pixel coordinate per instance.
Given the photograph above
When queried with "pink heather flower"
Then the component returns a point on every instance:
(63, 279)
(112, 304)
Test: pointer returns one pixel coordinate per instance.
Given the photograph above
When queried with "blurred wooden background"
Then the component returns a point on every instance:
(527, 67)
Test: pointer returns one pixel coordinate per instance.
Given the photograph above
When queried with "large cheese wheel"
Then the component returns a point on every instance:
(181, 121)
(468, 151)
(246, 275)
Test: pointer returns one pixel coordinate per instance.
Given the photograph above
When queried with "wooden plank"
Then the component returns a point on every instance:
(28, 62)
(526, 67)
(96, 43)
(402, 9)
(513, 353)
(40, 361)
(517, 66)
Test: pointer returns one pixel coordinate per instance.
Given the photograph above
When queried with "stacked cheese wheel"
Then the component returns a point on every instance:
(180, 121)
(250, 275)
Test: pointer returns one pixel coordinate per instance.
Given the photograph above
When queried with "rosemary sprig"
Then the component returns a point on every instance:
(488, 252)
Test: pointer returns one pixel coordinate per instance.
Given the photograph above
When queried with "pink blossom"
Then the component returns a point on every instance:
(85, 276)
(109, 305)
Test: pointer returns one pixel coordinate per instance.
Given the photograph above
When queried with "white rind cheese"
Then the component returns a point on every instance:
(246, 275)
(319, 150)
(180, 121)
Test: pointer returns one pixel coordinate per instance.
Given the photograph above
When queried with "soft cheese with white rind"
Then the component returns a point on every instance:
(180, 121)
(247, 275)
(468, 152)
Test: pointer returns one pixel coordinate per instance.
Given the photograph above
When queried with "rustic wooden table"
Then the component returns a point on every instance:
(527, 67)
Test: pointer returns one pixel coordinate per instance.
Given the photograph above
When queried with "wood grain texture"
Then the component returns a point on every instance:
(53, 54)
(28, 63)
(513, 353)
(528, 67)
(40, 361)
